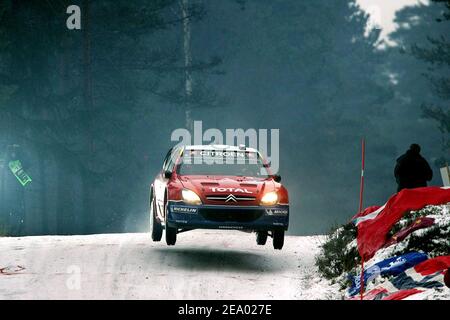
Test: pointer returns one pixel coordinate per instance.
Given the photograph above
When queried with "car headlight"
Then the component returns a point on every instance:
(269, 199)
(190, 197)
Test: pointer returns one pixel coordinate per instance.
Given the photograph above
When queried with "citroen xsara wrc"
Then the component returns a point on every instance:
(218, 187)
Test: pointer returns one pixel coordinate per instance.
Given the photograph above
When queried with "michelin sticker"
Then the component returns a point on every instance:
(178, 209)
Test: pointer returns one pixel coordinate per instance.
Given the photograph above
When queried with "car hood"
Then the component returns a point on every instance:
(211, 186)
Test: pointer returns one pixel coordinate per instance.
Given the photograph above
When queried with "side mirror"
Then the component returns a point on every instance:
(167, 174)
(276, 177)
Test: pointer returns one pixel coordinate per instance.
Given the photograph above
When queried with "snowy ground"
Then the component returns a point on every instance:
(203, 265)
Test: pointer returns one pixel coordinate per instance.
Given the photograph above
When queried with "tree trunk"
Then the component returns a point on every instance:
(88, 105)
(5, 169)
(43, 194)
(3, 193)
(187, 62)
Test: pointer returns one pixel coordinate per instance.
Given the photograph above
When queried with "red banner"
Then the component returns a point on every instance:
(420, 223)
(430, 266)
(373, 227)
(402, 294)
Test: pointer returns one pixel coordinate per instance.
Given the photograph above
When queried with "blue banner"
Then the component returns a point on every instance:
(388, 267)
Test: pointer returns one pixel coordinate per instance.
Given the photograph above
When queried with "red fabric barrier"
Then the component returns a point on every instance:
(365, 212)
(447, 278)
(402, 294)
(434, 265)
(420, 223)
(374, 226)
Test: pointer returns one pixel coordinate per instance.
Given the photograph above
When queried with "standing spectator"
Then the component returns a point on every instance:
(412, 170)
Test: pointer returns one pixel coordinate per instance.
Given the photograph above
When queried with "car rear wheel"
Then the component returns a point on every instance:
(278, 239)
(155, 226)
(261, 238)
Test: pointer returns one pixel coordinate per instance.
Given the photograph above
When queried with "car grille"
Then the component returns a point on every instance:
(231, 215)
(229, 198)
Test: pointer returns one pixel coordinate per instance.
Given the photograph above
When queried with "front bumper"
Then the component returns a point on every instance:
(255, 218)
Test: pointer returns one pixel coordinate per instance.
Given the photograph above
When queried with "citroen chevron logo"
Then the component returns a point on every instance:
(231, 198)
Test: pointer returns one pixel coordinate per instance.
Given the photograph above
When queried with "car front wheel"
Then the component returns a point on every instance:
(171, 233)
(261, 238)
(278, 239)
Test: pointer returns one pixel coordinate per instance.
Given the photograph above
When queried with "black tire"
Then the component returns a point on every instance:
(171, 233)
(278, 239)
(156, 228)
(261, 238)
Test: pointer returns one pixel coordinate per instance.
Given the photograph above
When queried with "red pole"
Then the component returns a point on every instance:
(361, 186)
(361, 290)
(361, 192)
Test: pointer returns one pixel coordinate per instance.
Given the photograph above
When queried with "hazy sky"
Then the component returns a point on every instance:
(382, 14)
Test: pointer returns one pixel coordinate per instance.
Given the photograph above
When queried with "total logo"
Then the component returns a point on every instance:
(230, 190)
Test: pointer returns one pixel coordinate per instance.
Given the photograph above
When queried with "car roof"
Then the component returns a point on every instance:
(219, 147)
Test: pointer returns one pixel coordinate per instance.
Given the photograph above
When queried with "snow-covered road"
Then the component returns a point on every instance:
(203, 265)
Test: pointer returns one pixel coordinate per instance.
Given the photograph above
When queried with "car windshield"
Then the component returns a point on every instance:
(223, 163)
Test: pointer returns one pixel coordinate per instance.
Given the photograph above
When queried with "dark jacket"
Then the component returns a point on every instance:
(412, 171)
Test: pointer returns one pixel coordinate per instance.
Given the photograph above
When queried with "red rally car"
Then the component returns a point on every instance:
(218, 187)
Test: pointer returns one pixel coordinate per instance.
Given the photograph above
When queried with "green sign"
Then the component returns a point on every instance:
(16, 168)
